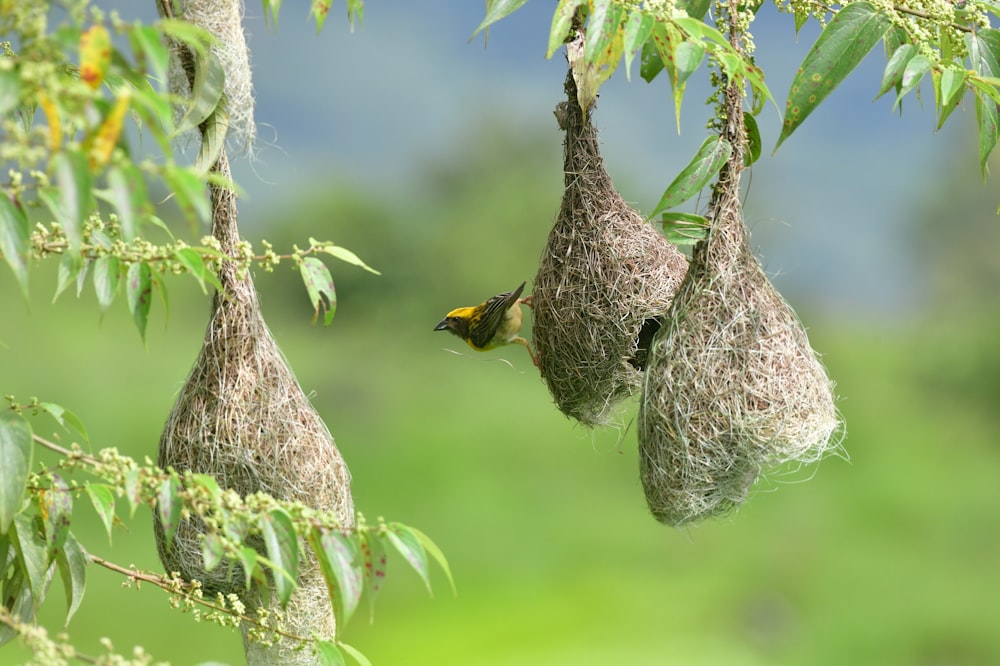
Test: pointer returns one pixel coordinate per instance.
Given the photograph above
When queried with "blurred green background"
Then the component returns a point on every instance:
(890, 558)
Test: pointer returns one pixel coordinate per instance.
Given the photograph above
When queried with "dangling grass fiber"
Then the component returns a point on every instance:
(605, 278)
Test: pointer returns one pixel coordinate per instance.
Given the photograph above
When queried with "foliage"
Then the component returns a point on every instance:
(37, 542)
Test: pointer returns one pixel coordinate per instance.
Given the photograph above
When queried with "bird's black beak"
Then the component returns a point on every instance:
(443, 326)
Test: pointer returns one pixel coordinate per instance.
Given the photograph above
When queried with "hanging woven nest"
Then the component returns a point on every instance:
(733, 386)
(605, 278)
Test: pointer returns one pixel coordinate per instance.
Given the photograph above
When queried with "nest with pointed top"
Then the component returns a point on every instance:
(733, 386)
(605, 278)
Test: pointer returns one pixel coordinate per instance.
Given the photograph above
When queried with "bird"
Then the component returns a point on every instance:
(493, 323)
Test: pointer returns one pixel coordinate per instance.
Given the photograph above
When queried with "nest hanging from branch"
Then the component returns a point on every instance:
(604, 280)
(733, 386)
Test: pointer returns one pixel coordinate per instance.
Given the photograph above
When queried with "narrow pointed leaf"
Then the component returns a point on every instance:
(16, 453)
(409, 546)
(168, 508)
(192, 260)
(10, 90)
(949, 88)
(912, 74)
(127, 193)
(211, 551)
(95, 55)
(209, 83)
(329, 654)
(843, 44)
(684, 228)
(106, 138)
(496, 10)
(71, 560)
(638, 28)
(14, 240)
(562, 19)
(602, 25)
(282, 549)
(30, 549)
(68, 272)
(104, 504)
(213, 140)
(56, 510)
(73, 202)
(189, 191)
(150, 51)
(319, 286)
(139, 292)
(696, 8)
(65, 418)
(346, 256)
(753, 139)
(338, 561)
(133, 490)
(373, 562)
(892, 77)
(706, 164)
(436, 553)
(987, 118)
(355, 654)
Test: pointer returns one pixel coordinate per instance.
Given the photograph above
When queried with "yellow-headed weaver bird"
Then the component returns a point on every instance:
(491, 324)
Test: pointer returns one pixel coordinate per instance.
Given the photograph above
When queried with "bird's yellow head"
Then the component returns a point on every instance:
(456, 321)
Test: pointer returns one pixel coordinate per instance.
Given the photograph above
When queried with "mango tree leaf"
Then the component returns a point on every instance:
(319, 286)
(848, 37)
(213, 140)
(103, 500)
(150, 51)
(73, 203)
(127, 193)
(107, 275)
(562, 19)
(409, 546)
(602, 27)
(65, 417)
(984, 56)
(71, 268)
(192, 260)
(139, 292)
(188, 189)
(355, 654)
(373, 562)
(206, 91)
(987, 118)
(706, 164)
(211, 551)
(10, 90)
(133, 490)
(16, 453)
(753, 139)
(651, 62)
(71, 560)
(696, 8)
(282, 549)
(496, 10)
(337, 558)
(95, 55)
(14, 240)
(107, 135)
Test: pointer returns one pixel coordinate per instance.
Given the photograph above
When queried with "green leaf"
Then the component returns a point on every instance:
(191, 259)
(189, 190)
(30, 549)
(213, 140)
(409, 546)
(139, 291)
(14, 240)
(696, 8)
(248, 558)
(602, 27)
(843, 44)
(206, 92)
(71, 560)
(150, 51)
(127, 193)
(319, 9)
(133, 490)
(436, 553)
(10, 90)
(107, 275)
(70, 267)
(949, 88)
(651, 62)
(16, 452)
(17, 598)
(56, 510)
(344, 255)
(337, 557)
(373, 566)
(638, 28)
(892, 77)
(329, 654)
(912, 73)
(65, 418)
(212, 552)
(986, 117)
(355, 654)
(496, 10)
(319, 286)
(562, 19)
(753, 139)
(168, 508)
(103, 500)
(706, 164)
(684, 228)
(72, 176)
(687, 58)
(197, 38)
(282, 550)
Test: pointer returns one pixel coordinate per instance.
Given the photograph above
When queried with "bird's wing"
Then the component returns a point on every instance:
(494, 311)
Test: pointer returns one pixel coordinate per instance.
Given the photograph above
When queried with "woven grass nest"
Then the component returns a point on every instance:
(605, 278)
(243, 418)
(732, 386)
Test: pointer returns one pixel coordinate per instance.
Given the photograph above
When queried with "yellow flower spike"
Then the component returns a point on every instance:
(52, 117)
(106, 138)
(95, 55)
